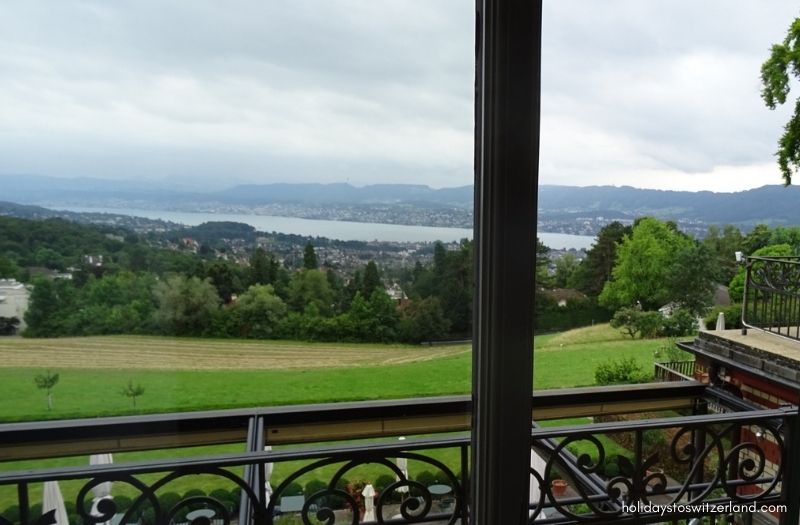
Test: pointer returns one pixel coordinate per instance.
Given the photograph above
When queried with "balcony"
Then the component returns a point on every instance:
(771, 300)
(667, 450)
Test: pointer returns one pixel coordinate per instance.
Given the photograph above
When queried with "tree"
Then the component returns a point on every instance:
(310, 287)
(598, 265)
(723, 246)
(186, 305)
(542, 278)
(310, 261)
(132, 391)
(423, 320)
(372, 279)
(8, 325)
(643, 262)
(566, 266)
(736, 287)
(258, 312)
(46, 382)
(784, 58)
(691, 279)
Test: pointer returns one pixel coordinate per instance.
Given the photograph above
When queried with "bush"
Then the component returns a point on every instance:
(680, 323)
(11, 513)
(383, 481)
(426, 478)
(123, 503)
(191, 493)
(733, 317)
(224, 497)
(619, 372)
(293, 489)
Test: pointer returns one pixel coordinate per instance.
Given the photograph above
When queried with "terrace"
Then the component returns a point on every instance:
(496, 452)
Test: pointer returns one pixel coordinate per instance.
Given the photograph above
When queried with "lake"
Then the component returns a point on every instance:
(343, 230)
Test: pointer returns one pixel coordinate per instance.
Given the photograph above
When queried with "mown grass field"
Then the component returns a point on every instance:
(196, 374)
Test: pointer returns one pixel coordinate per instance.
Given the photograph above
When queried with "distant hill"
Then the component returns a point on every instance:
(768, 204)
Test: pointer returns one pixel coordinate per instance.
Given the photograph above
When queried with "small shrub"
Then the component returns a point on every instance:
(680, 323)
(426, 478)
(11, 513)
(167, 500)
(619, 372)
(193, 493)
(123, 502)
(733, 317)
(383, 481)
(293, 489)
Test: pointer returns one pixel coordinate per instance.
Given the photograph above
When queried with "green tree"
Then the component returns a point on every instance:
(309, 287)
(723, 245)
(542, 277)
(372, 279)
(8, 268)
(566, 267)
(596, 268)
(310, 260)
(132, 391)
(423, 320)
(736, 287)
(691, 278)
(258, 312)
(186, 305)
(225, 278)
(50, 308)
(784, 59)
(47, 382)
(758, 238)
(261, 269)
(643, 262)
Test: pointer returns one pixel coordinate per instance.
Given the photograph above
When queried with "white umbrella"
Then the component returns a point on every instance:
(52, 500)
(402, 464)
(267, 476)
(720, 322)
(101, 491)
(369, 502)
(537, 465)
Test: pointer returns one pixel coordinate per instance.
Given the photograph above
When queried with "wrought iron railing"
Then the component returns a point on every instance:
(669, 466)
(771, 300)
(738, 456)
(674, 371)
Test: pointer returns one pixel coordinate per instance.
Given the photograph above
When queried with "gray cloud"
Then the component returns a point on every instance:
(655, 93)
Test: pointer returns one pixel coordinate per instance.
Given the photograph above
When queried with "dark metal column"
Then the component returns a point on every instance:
(506, 173)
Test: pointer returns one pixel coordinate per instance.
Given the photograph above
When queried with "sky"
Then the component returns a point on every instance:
(654, 94)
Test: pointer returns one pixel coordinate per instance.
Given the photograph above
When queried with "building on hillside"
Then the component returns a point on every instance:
(14, 300)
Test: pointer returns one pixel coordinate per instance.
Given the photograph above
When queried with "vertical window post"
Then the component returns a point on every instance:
(506, 173)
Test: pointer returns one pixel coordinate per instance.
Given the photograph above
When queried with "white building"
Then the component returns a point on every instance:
(14, 300)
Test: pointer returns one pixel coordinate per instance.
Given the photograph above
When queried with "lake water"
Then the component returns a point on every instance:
(343, 230)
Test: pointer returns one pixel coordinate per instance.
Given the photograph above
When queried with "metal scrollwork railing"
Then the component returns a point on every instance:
(405, 500)
(771, 300)
(668, 462)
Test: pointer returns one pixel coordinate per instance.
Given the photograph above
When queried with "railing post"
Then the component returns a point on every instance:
(790, 488)
(748, 266)
(506, 173)
(24, 504)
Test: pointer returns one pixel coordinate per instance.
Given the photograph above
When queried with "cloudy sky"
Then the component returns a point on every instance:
(656, 93)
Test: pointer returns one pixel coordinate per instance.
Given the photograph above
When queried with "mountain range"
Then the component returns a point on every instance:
(768, 204)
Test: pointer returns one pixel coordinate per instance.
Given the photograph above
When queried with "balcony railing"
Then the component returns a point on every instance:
(674, 371)
(771, 299)
(603, 467)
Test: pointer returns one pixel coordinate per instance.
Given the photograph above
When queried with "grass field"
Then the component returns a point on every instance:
(195, 374)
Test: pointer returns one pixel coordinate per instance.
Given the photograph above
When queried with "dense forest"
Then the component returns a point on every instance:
(121, 282)
(89, 279)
